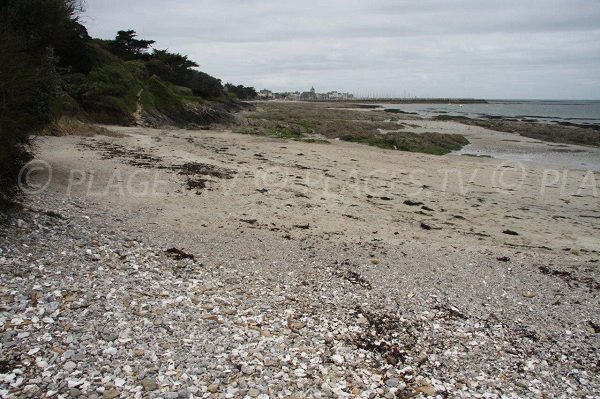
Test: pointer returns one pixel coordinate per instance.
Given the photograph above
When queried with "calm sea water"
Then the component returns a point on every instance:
(580, 112)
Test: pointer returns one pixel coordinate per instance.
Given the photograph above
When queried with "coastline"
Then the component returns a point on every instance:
(210, 263)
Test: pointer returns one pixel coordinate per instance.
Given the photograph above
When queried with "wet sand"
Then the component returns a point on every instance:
(514, 147)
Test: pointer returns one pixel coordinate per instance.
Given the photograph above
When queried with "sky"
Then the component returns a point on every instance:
(525, 49)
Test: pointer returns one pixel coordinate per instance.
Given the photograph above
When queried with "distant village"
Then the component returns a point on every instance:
(311, 95)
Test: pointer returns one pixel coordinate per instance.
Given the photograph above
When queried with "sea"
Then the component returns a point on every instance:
(581, 112)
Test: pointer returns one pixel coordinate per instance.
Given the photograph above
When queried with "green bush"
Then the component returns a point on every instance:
(23, 110)
(109, 93)
(159, 96)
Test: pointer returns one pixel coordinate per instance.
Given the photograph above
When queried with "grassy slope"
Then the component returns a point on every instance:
(109, 93)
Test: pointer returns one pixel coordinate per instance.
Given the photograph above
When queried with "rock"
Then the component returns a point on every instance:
(213, 388)
(110, 394)
(138, 352)
(110, 336)
(69, 366)
(338, 359)
(529, 294)
(149, 384)
(392, 382)
(295, 325)
(110, 351)
(253, 392)
(426, 390)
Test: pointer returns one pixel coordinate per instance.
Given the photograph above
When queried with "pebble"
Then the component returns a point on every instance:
(339, 359)
(110, 394)
(151, 326)
(149, 384)
(392, 382)
(213, 388)
(69, 366)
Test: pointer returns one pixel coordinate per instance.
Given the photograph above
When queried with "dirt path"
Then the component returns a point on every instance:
(138, 114)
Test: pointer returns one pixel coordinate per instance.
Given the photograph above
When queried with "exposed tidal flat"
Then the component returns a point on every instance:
(270, 259)
(430, 129)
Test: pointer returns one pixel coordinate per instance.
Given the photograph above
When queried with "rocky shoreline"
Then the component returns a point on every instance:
(564, 132)
(261, 283)
(90, 310)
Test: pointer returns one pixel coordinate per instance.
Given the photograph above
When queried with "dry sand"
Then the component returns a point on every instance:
(343, 190)
(322, 270)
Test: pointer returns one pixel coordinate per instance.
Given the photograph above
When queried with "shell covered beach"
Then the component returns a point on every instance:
(169, 263)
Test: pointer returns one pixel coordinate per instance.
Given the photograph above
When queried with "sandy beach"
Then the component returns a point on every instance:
(318, 270)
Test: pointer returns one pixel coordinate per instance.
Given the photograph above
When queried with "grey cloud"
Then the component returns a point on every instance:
(544, 48)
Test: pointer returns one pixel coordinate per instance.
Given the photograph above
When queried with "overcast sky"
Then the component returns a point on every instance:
(429, 48)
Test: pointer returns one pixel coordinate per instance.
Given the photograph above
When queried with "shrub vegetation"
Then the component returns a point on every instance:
(51, 68)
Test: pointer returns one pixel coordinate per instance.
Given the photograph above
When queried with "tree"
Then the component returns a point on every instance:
(30, 32)
(128, 47)
(242, 92)
(204, 85)
(172, 67)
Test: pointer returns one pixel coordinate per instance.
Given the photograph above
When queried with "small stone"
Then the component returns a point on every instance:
(392, 382)
(339, 359)
(110, 351)
(529, 294)
(109, 337)
(253, 392)
(149, 384)
(138, 352)
(110, 394)
(426, 390)
(69, 366)
(296, 325)
(213, 388)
